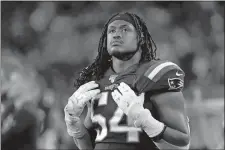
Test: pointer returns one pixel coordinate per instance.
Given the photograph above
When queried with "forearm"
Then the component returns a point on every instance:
(175, 137)
(87, 121)
(78, 129)
(169, 135)
(154, 128)
(163, 145)
(83, 143)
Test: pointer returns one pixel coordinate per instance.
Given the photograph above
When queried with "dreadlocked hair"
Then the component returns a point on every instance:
(96, 70)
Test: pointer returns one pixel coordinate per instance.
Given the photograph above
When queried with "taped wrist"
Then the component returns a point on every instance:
(160, 136)
(143, 118)
(150, 125)
(75, 127)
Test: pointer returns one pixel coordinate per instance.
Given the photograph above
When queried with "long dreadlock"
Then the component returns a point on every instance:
(96, 70)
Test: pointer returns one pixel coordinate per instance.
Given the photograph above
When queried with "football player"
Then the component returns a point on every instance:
(134, 100)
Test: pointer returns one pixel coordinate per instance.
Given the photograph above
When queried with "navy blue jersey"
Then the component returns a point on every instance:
(110, 122)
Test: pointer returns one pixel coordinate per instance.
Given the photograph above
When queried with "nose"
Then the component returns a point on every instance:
(117, 35)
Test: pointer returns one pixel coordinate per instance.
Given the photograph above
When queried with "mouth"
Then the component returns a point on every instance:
(116, 43)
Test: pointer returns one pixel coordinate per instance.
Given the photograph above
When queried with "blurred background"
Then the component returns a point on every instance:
(45, 44)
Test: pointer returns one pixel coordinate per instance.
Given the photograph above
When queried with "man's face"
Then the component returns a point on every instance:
(121, 38)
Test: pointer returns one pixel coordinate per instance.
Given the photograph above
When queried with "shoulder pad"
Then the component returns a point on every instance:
(160, 76)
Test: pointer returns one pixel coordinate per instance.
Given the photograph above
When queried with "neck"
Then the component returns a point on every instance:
(120, 65)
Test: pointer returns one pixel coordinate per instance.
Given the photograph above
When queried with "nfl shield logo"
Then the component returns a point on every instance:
(112, 78)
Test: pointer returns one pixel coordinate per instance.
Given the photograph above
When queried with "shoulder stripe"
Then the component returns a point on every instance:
(157, 69)
(152, 67)
(164, 71)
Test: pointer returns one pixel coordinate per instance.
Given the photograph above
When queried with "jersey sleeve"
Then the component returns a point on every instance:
(160, 77)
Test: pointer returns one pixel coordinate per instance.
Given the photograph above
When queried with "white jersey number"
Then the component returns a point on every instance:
(132, 132)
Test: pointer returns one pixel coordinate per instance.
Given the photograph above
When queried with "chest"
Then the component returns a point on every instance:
(110, 122)
(104, 103)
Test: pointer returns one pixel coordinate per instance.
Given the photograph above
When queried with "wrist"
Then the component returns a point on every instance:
(135, 111)
(149, 124)
(75, 127)
(159, 136)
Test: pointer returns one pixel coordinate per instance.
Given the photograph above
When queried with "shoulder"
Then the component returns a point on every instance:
(154, 70)
(156, 76)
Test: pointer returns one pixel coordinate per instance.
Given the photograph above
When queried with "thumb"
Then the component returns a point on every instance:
(88, 104)
(69, 107)
(141, 98)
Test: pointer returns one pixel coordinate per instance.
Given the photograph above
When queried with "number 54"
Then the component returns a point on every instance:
(132, 132)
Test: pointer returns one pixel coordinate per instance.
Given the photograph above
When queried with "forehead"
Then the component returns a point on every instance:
(118, 23)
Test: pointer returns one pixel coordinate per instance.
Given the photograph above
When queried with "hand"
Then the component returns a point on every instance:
(125, 98)
(81, 97)
(75, 127)
(132, 106)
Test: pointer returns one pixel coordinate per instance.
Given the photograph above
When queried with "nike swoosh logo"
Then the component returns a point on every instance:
(178, 74)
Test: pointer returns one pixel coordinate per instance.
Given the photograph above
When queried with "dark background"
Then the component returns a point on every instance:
(48, 42)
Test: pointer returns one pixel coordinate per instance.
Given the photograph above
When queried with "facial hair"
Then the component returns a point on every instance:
(124, 56)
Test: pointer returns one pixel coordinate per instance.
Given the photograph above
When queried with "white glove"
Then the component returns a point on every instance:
(132, 106)
(82, 95)
(126, 98)
(75, 127)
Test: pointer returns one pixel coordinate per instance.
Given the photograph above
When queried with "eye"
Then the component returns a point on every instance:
(124, 30)
(111, 30)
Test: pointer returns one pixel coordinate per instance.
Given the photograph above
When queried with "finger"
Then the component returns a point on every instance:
(67, 118)
(84, 89)
(69, 108)
(123, 89)
(88, 104)
(142, 98)
(115, 98)
(117, 93)
(97, 96)
(90, 94)
(87, 86)
(125, 86)
(70, 104)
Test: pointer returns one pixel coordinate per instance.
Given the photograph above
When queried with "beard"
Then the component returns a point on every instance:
(124, 56)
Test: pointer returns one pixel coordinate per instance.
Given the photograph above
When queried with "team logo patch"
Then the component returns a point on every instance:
(175, 83)
(112, 78)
